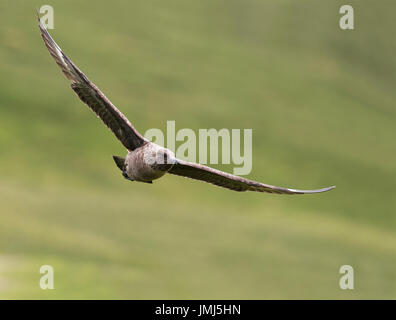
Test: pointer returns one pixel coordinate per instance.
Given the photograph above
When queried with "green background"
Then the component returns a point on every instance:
(320, 101)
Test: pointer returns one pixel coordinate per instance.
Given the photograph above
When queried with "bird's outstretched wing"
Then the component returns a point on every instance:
(226, 180)
(93, 97)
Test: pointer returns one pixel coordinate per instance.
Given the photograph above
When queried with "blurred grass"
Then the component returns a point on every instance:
(321, 105)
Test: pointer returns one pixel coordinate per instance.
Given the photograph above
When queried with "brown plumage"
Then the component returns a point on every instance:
(226, 180)
(93, 97)
(141, 162)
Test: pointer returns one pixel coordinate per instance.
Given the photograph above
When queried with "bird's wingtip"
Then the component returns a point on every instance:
(40, 23)
(38, 15)
(295, 191)
(327, 189)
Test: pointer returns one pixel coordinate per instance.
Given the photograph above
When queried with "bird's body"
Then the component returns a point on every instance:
(148, 163)
(145, 160)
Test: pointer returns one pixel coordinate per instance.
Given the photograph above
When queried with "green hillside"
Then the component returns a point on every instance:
(320, 101)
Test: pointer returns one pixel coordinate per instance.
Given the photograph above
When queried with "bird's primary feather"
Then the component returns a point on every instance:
(93, 97)
(200, 172)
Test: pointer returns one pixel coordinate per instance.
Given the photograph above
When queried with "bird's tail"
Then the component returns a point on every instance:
(120, 162)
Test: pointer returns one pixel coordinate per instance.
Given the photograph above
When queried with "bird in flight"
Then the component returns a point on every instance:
(145, 160)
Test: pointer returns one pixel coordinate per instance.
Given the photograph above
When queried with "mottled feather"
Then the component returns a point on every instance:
(93, 97)
(229, 181)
